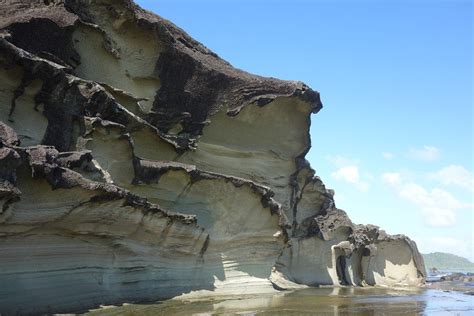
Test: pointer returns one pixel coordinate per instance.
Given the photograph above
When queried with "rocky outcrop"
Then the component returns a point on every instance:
(135, 165)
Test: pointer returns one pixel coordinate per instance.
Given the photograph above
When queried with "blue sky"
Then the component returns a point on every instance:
(395, 136)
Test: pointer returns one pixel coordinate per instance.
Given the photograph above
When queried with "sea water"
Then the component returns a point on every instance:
(314, 301)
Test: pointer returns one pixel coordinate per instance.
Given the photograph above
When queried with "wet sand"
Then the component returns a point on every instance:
(314, 301)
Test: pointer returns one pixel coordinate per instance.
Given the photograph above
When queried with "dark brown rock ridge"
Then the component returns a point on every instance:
(137, 165)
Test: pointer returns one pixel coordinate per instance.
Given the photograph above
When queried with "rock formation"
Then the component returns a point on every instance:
(135, 165)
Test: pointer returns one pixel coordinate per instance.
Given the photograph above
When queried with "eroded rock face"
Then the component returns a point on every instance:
(135, 165)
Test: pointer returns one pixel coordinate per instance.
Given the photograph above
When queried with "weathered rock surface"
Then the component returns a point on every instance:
(135, 164)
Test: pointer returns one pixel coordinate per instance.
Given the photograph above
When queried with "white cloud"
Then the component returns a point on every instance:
(392, 178)
(437, 206)
(439, 217)
(426, 153)
(454, 175)
(350, 174)
(388, 155)
(341, 161)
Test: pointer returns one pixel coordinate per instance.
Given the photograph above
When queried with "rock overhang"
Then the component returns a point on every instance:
(125, 122)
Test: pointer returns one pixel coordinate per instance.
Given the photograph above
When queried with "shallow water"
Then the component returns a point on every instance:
(314, 301)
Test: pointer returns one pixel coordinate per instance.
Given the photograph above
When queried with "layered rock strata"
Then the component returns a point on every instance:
(136, 165)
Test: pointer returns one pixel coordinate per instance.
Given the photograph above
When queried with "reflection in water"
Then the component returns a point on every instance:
(332, 301)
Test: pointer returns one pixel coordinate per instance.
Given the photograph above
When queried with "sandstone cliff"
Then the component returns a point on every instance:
(135, 164)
